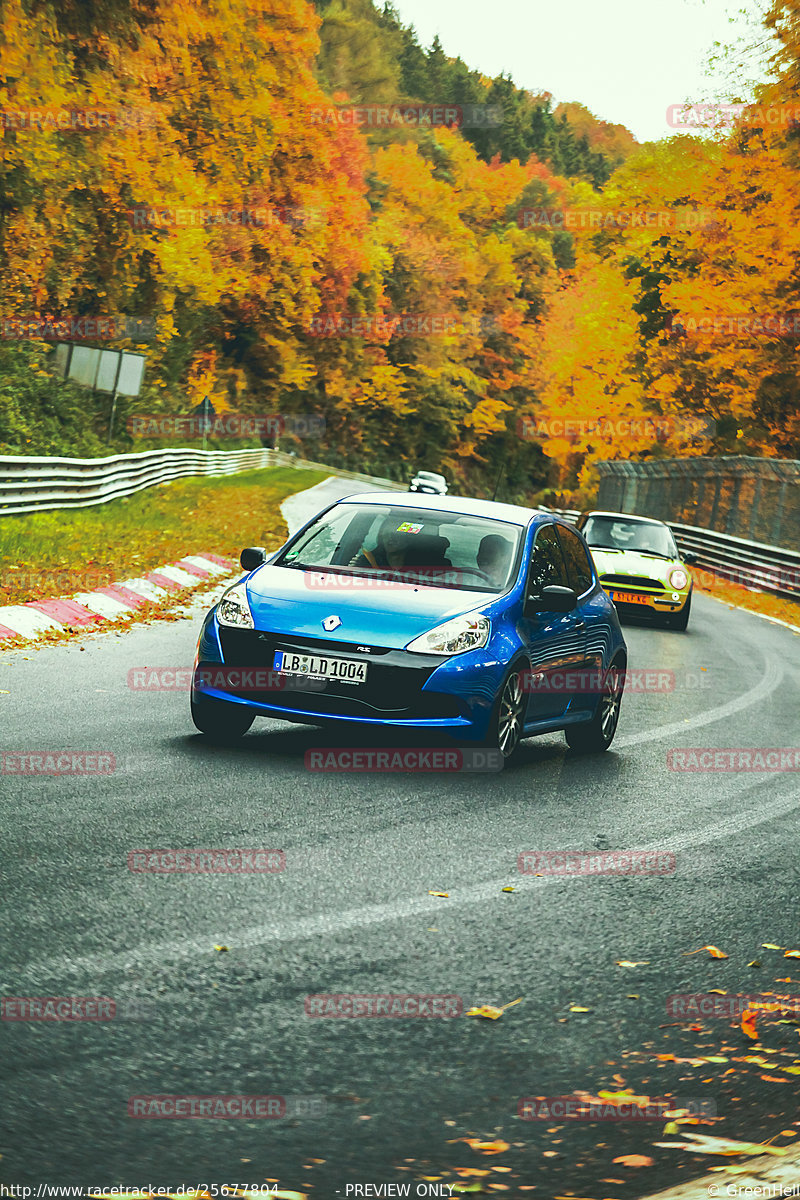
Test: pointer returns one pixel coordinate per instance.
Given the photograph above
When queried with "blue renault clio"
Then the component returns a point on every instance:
(480, 621)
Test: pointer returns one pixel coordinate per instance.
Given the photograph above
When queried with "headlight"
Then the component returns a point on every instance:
(678, 578)
(233, 608)
(454, 637)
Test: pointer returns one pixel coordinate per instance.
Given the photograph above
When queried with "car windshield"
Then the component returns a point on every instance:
(643, 537)
(430, 475)
(410, 545)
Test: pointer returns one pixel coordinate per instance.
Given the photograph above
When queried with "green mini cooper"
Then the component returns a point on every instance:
(639, 566)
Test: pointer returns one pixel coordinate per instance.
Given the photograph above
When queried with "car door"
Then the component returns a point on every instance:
(555, 641)
(592, 610)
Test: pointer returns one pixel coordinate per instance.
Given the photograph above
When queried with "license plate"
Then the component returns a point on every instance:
(320, 666)
(629, 598)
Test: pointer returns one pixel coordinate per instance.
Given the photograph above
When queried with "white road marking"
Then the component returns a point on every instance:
(184, 578)
(331, 924)
(205, 564)
(104, 606)
(27, 622)
(770, 680)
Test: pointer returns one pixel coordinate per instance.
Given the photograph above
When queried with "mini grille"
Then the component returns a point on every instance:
(633, 581)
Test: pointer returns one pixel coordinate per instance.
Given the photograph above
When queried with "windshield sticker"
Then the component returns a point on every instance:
(290, 554)
(407, 527)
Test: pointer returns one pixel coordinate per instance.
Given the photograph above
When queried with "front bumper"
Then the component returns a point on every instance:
(402, 689)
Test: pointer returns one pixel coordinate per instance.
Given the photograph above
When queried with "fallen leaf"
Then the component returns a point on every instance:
(634, 1160)
(791, 1070)
(626, 1097)
(749, 1024)
(717, 992)
(773, 1079)
(772, 946)
(508, 889)
(489, 1011)
(498, 1147)
(220, 947)
(754, 963)
(623, 962)
(633, 996)
(792, 954)
(577, 1008)
(702, 1143)
(788, 1133)
(443, 894)
(712, 950)
(670, 1127)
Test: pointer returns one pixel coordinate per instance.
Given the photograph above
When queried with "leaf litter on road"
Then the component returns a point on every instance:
(714, 951)
(490, 1012)
(702, 1143)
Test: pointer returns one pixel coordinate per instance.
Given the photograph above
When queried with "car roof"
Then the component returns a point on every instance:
(431, 474)
(596, 512)
(514, 514)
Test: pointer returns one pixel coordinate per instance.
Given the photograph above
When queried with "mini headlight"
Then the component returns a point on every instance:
(468, 632)
(678, 578)
(233, 608)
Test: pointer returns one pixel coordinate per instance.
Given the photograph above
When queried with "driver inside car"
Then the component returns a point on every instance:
(492, 558)
(391, 550)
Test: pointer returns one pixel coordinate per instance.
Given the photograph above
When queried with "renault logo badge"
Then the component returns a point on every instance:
(331, 623)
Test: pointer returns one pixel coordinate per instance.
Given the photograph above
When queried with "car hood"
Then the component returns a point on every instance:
(289, 601)
(629, 562)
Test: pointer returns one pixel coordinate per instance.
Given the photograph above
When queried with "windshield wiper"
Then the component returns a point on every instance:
(655, 554)
(296, 565)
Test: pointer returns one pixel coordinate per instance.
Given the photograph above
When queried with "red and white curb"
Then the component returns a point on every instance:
(88, 610)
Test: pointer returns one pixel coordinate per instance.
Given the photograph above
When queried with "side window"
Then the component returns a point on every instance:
(578, 566)
(547, 563)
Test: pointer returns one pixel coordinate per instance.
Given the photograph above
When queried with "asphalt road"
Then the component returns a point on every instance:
(385, 1100)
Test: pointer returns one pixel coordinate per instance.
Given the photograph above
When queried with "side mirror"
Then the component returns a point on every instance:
(252, 557)
(553, 598)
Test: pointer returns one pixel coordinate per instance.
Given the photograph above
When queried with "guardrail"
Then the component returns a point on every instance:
(751, 564)
(39, 484)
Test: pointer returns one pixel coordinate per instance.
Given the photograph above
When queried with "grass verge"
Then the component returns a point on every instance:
(65, 551)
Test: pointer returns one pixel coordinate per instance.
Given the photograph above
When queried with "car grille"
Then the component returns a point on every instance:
(393, 690)
(640, 582)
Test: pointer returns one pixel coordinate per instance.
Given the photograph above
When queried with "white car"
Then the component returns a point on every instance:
(429, 481)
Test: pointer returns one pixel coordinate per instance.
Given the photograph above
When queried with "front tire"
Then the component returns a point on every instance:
(679, 620)
(595, 736)
(508, 712)
(221, 723)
